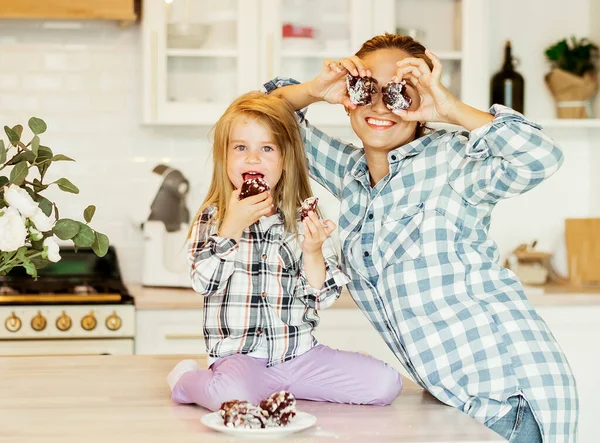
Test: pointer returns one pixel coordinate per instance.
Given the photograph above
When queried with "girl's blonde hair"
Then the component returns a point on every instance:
(279, 117)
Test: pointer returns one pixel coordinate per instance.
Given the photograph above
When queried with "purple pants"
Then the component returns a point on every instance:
(321, 374)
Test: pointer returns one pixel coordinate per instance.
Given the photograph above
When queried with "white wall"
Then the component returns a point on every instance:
(86, 84)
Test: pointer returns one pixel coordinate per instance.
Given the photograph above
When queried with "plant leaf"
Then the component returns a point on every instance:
(100, 245)
(27, 156)
(13, 137)
(38, 186)
(89, 212)
(2, 152)
(29, 267)
(66, 229)
(18, 130)
(67, 186)
(85, 237)
(3, 180)
(61, 157)
(45, 154)
(35, 144)
(37, 125)
(19, 173)
(46, 206)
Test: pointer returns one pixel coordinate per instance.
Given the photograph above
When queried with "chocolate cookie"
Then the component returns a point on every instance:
(310, 204)
(242, 414)
(280, 407)
(360, 89)
(395, 97)
(253, 186)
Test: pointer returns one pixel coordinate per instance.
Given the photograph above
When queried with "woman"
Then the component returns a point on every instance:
(414, 220)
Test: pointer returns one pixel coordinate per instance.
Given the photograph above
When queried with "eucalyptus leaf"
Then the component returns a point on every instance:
(38, 186)
(35, 145)
(3, 180)
(100, 245)
(89, 212)
(61, 157)
(67, 186)
(27, 156)
(19, 173)
(37, 125)
(66, 229)
(2, 152)
(18, 130)
(85, 237)
(46, 206)
(45, 154)
(13, 137)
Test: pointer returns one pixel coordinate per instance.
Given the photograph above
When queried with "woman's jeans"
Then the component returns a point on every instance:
(519, 425)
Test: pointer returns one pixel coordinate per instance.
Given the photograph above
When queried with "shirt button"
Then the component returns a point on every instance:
(264, 294)
(370, 216)
(366, 253)
(264, 256)
(258, 331)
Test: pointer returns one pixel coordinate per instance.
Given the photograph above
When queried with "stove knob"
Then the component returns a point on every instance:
(63, 323)
(89, 321)
(113, 321)
(12, 323)
(38, 323)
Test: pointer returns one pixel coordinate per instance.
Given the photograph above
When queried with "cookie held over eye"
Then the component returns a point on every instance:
(310, 204)
(254, 186)
(395, 97)
(360, 89)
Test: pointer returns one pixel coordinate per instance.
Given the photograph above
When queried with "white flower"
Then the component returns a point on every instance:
(41, 221)
(51, 249)
(20, 199)
(34, 234)
(12, 230)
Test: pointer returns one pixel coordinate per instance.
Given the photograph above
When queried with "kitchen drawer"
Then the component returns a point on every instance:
(169, 332)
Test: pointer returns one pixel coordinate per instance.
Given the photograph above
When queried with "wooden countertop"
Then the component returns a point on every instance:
(126, 399)
(180, 298)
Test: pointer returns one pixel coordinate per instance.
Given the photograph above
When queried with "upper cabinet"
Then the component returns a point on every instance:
(200, 55)
(122, 10)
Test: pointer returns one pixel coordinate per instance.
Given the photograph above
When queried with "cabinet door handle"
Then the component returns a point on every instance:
(184, 336)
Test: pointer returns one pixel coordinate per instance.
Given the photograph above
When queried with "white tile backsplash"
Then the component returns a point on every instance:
(86, 84)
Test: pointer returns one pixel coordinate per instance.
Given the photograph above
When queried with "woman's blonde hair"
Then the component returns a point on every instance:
(279, 117)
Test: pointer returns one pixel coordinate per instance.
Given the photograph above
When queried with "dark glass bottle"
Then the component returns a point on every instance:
(508, 86)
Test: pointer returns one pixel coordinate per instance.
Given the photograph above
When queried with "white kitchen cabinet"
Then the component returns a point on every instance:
(169, 331)
(198, 56)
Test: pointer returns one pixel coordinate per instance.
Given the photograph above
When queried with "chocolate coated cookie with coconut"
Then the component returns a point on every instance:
(243, 414)
(360, 89)
(253, 186)
(280, 407)
(310, 204)
(395, 97)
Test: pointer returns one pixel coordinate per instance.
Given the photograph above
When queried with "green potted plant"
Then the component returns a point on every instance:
(30, 222)
(573, 79)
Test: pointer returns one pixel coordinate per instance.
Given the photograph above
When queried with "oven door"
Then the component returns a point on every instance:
(18, 348)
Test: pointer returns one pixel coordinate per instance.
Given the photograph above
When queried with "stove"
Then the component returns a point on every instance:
(77, 306)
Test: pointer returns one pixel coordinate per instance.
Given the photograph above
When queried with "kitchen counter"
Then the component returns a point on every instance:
(126, 399)
(180, 298)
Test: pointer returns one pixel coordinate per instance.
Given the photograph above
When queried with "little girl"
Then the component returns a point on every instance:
(264, 275)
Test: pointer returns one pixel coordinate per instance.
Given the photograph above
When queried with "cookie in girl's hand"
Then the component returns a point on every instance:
(360, 89)
(254, 186)
(395, 97)
(310, 204)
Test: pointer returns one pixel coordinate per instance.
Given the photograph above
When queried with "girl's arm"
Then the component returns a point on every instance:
(211, 257)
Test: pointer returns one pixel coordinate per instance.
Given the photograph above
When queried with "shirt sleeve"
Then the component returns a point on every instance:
(211, 257)
(335, 280)
(328, 158)
(502, 159)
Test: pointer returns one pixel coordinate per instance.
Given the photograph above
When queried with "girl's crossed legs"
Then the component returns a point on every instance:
(321, 374)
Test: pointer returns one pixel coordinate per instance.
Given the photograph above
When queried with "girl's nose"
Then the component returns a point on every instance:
(252, 158)
(377, 103)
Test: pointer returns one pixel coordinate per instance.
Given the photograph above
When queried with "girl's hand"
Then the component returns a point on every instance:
(315, 233)
(437, 103)
(330, 84)
(243, 213)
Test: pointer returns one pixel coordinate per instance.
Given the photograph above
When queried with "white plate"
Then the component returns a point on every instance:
(301, 421)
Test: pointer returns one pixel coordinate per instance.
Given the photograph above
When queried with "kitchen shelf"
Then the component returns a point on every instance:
(578, 123)
(177, 52)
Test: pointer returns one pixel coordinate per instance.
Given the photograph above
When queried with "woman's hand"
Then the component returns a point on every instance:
(437, 103)
(243, 213)
(315, 233)
(330, 84)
